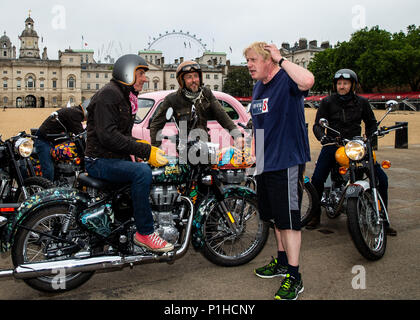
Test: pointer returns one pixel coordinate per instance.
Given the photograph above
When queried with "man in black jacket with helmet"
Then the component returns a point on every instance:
(192, 92)
(110, 144)
(344, 111)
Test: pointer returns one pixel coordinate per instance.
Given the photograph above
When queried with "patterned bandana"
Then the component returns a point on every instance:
(134, 103)
(192, 96)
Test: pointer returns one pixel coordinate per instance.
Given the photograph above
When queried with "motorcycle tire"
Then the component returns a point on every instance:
(369, 238)
(28, 243)
(33, 185)
(221, 244)
(310, 200)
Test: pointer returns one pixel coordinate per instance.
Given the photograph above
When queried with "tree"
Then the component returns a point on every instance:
(323, 68)
(380, 59)
(239, 82)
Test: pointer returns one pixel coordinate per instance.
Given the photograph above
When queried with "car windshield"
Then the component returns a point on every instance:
(144, 107)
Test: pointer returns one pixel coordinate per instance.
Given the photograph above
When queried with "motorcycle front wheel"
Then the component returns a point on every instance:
(368, 234)
(226, 247)
(32, 244)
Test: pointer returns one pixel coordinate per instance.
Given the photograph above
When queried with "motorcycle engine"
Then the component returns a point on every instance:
(164, 200)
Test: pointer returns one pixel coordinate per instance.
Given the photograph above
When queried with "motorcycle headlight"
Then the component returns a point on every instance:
(24, 147)
(355, 150)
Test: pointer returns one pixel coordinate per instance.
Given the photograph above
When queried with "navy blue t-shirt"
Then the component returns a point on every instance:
(278, 109)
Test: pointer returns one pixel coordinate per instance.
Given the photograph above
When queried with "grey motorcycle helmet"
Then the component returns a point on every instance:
(347, 74)
(126, 66)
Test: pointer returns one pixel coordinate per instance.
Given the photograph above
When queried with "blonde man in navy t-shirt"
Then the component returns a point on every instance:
(282, 150)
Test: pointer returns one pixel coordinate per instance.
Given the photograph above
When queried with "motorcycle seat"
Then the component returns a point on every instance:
(85, 180)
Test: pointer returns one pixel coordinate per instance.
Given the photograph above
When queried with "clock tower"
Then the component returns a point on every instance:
(29, 48)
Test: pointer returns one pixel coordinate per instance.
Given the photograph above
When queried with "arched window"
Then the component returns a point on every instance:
(30, 83)
(71, 82)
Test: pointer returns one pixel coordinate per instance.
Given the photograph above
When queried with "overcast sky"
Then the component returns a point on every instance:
(126, 26)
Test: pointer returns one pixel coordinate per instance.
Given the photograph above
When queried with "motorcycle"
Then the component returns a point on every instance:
(67, 154)
(61, 236)
(352, 188)
(17, 175)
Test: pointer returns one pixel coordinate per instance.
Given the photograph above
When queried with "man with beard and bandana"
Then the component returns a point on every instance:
(344, 111)
(192, 97)
(110, 143)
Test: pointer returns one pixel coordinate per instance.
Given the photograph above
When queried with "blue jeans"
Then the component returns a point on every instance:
(43, 149)
(139, 175)
(326, 161)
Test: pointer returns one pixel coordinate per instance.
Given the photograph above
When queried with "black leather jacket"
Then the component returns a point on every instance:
(345, 117)
(110, 123)
(207, 108)
(71, 118)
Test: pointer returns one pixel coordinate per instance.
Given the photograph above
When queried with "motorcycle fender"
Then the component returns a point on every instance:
(40, 200)
(207, 205)
(355, 189)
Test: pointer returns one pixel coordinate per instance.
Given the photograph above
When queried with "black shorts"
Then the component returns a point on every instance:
(279, 196)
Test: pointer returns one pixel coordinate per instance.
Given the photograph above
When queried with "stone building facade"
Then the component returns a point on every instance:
(32, 80)
(302, 52)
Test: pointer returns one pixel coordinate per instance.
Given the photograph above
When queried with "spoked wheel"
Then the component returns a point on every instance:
(33, 185)
(41, 239)
(368, 234)
(226, 247)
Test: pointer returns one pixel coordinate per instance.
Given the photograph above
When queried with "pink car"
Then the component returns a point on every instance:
(149, 102)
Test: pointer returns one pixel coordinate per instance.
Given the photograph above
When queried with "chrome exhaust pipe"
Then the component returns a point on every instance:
(51, 268)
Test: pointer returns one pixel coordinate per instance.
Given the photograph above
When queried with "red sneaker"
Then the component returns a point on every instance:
(153, 242)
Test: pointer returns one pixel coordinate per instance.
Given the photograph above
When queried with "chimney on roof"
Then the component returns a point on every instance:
(325, 44)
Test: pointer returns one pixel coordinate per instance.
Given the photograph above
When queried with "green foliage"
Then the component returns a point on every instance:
(380, 59)
(239, 82)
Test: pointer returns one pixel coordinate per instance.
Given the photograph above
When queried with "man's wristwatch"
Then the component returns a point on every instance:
(281, 61)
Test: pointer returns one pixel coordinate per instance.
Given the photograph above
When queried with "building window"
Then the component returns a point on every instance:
(5, 100)
(71, 83)
(5, 84)
(30, 82)
(207, 76)
(172, 75)
(41, 84)
(172, 87)
(216, 76)
(88, 86)
(97, 76)
(71, 59)
(54, 100)
(4, 72)
(18, 84)
(155, 85)
(54, 84)
(97, 86)
(106, 75)
(18, 72)
(88, 75)
(216, 87)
